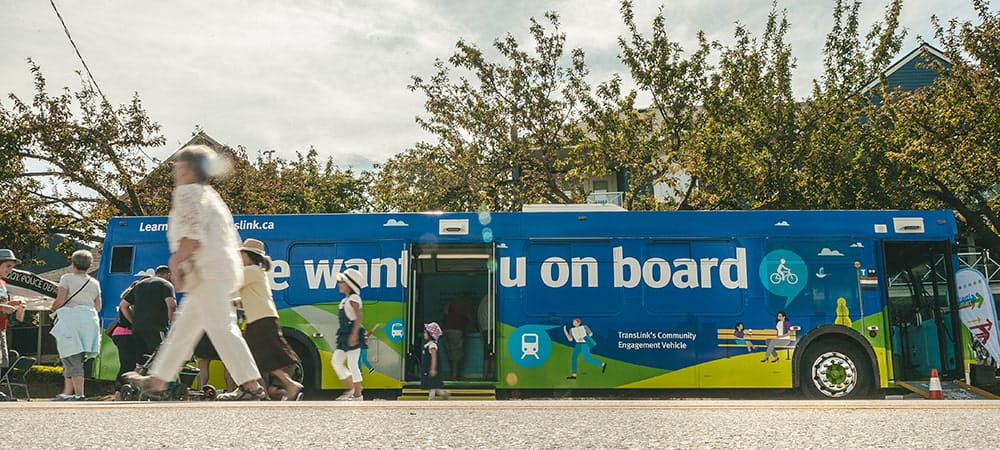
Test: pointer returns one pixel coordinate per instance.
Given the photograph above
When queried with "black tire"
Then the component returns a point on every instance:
(836, 369)
(129, 393)
(179, 392)
(208, 392)
(307, 370)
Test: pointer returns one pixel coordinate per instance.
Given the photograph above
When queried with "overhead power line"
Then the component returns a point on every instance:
(66, 29)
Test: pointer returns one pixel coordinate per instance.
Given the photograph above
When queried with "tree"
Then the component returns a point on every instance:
(746, 150)
(70, 162)
(945, 136)
(63, 154)
(843, 165)
(503, 130)
(268, 184)
(650, 145)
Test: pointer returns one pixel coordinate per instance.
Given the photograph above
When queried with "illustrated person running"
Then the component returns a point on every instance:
(582, 336)
(783, 327)
(365, 363)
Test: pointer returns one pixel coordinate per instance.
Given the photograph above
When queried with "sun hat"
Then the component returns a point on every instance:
(353, 279)
(433, 329)
(7, 254)
(253, 246)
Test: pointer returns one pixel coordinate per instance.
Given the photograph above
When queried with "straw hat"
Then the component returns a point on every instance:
(253, 246)
(353, 279)
(8, 255)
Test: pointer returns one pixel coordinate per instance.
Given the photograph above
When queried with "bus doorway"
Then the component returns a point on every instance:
(450, 284)
(923, 310)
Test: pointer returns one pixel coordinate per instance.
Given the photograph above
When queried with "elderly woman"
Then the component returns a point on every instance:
(77, 330)
(205, 257)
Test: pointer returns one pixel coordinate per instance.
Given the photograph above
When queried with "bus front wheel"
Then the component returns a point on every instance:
(835, 369)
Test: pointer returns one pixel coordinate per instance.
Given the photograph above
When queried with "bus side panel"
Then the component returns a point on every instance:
(667, 319)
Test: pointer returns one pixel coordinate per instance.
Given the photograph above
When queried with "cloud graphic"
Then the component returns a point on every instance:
(501, 245)
(145, 273)
(395, 223)
(783, 223)
(828, 252)
(857, 245)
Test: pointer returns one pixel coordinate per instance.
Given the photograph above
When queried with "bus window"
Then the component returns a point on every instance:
(121, 259)
(570, 279)
(684, 278)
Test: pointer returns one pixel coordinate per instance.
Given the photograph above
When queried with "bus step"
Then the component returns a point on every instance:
(456, 394)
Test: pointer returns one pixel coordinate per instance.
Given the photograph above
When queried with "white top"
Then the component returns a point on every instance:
(579, 333)
(350, 311)
(72, 282)
(781, 333)
(483, 315)
(197, 212)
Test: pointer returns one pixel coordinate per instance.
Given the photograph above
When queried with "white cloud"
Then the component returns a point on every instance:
(829, 252)
(857, 245)
(395, 223)
(783, 223)
(145, 273)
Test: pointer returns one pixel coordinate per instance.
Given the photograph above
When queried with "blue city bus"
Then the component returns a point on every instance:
(589, 298)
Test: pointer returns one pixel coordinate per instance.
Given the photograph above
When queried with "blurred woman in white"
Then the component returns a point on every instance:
(205, 254)
(77, 330)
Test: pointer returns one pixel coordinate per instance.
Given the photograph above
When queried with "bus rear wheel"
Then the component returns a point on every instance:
(835, 369)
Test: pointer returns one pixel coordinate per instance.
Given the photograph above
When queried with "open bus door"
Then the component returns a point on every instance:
(442, 275)
(923, 310)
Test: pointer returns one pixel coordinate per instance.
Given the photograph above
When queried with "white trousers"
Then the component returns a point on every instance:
(207, 310)
(351, 370)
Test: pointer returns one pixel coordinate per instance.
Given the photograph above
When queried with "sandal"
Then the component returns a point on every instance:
(144, 383)
(242, 393)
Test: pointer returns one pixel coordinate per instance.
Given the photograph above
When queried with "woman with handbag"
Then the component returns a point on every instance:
(77, 329)
(204, 249)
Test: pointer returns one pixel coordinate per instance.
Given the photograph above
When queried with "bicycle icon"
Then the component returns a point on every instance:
(783, 274)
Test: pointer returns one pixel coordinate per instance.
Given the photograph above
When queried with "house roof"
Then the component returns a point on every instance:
(925, 50)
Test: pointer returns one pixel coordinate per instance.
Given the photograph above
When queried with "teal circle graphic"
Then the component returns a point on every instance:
(395, 330)
(530, 346)
(784, 273)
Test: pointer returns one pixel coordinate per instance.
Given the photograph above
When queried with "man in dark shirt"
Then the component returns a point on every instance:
(150, 306)
(457, 319)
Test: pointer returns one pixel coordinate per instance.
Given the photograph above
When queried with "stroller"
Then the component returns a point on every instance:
(178, 389)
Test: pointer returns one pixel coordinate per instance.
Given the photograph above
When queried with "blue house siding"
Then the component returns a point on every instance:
(911, 72)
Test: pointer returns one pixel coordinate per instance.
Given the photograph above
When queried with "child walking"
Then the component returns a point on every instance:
(430, 378)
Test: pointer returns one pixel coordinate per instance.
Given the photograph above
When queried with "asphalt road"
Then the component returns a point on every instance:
(504, 424)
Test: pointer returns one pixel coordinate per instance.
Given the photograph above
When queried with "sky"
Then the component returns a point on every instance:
(333, 74)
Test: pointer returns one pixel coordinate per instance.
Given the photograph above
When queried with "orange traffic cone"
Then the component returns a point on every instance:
(935, 389)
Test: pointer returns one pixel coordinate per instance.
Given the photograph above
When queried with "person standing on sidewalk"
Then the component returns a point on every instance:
(7, 306)
(263, 332)
(205, 258)
(77, 329)
(150, 306)
(350, 335)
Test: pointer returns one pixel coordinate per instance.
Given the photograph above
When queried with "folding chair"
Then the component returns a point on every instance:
(16, 375)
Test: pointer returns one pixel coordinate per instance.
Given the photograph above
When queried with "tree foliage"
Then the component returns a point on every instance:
(503, 131)
(71, 161)
(63, 155)
(946, 137)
